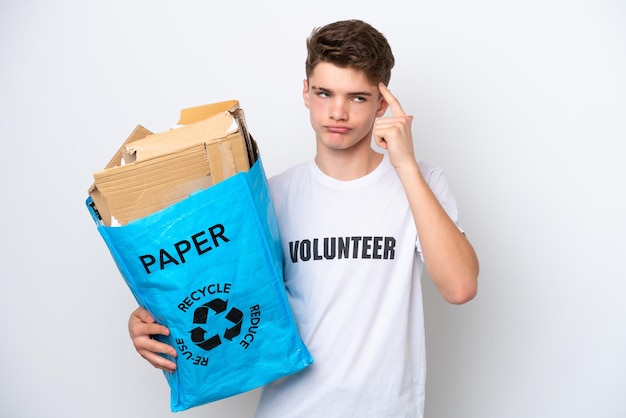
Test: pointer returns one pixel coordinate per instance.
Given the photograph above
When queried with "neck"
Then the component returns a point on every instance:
(349, 164)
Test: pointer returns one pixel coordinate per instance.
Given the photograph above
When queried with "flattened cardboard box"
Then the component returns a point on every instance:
(152, 171)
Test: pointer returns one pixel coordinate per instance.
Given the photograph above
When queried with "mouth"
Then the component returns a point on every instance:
(336, 129)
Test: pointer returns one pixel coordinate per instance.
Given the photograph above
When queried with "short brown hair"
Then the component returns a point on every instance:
(351, 44)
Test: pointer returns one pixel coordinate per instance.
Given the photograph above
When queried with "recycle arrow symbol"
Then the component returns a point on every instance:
(197, 336)
(201, 315)
(236, 317)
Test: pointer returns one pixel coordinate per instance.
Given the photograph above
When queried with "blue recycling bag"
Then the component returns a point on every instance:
(210, 269)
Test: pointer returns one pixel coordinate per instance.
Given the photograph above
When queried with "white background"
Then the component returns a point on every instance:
(523, 103)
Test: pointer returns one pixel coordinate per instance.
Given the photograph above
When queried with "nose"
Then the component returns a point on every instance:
(338, 109)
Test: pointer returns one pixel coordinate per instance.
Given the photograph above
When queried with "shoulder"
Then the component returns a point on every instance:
(436, 179)
(285, 178)
(287, 187)
(434, 175)
(430, 170)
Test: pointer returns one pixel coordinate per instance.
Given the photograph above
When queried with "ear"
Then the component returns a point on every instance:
(305, 92)
(382, 107)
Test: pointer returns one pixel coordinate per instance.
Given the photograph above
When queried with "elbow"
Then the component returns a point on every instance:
(462, 295)
(458, 283)
(464, 290)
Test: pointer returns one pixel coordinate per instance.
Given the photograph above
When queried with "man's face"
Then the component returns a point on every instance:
(343, 106)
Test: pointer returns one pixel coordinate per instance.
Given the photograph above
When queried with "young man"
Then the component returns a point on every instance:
(375, 220)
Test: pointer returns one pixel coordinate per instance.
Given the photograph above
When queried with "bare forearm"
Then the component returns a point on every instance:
(449, 257)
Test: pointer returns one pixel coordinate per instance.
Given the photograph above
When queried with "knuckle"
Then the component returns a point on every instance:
(138, 347)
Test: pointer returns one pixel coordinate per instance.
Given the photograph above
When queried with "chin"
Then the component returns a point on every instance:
(337, 146)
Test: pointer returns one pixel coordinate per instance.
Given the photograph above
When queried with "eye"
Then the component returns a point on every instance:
(359, 99)
(323, 94)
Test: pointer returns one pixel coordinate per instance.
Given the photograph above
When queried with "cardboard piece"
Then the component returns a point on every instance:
(152, 171)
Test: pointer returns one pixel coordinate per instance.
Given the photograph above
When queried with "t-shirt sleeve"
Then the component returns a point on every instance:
(437, 182)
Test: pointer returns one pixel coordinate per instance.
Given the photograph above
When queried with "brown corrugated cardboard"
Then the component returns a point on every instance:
(152, 171)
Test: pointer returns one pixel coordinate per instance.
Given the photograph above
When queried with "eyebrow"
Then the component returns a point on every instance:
(355, 93)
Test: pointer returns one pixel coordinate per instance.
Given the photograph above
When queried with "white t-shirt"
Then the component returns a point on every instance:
(352, 273)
